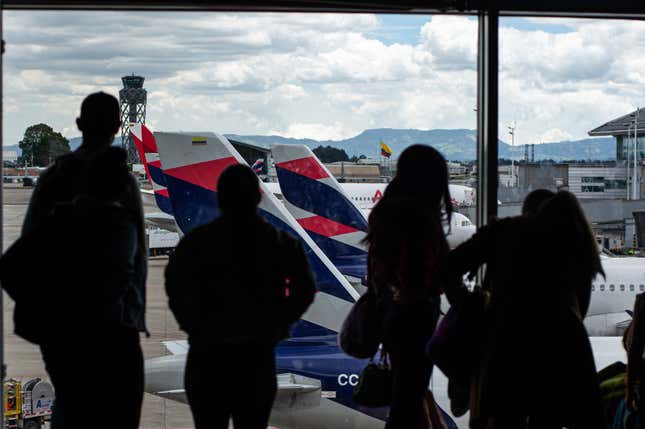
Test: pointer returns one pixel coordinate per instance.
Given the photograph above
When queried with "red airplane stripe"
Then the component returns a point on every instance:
(325, 227)
(162, 192)
(307, 167)
(204, 174)
(149, 142)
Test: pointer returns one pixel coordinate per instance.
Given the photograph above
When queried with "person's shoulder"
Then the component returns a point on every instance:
(274, 236)
(510, 223)
(203, 232)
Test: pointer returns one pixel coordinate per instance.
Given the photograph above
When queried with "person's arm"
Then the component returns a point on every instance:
(181, 282)
(466, 258)
(302, 286)
(635, 353)
(40, 204)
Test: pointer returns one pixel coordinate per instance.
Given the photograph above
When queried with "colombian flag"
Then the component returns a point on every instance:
(385, 150)
(199, 141)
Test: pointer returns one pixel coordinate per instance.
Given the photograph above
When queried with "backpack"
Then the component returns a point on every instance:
(47, 270)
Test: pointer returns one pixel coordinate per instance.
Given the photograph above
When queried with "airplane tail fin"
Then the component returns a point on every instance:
(258, 166)
(144, 140)
(192, 166)
(320, 205)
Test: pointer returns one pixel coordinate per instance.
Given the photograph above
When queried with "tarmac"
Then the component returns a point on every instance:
(23, 359)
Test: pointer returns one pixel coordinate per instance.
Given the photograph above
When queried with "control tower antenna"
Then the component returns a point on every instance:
(132, 98)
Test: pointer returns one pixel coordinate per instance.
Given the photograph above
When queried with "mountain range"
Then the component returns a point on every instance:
(455, 144)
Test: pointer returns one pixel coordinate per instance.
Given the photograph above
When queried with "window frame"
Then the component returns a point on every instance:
(488, 14)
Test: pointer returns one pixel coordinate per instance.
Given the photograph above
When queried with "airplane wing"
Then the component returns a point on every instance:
(179, 347)
(162, 220)
(297, 392)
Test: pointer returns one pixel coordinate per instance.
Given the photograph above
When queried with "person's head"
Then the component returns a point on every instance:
(534, 201)
(422, 174)
(567, 236)
(99, 120)
(238, 190)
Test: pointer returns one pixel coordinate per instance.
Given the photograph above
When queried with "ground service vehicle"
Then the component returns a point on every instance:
(28, 405)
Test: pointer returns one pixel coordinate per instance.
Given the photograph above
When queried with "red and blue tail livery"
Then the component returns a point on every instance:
(144, 140)
(192, 172)
(258, 166)
(319, 204)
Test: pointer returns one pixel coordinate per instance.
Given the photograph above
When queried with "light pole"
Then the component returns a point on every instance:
(627, 152)
(635, 192)
(511, 131)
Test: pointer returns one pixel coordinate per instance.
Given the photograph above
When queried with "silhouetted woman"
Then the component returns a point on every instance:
(536, 365)
(407, 244)
(566, 392)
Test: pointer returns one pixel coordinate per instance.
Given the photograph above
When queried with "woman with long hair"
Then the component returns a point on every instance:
(407, 244)
(565, 392)
(536, 366)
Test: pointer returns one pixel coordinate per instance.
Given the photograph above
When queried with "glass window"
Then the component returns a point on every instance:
(602, 288)
(631, 288)
(611, 288)
(592, 179)
(593, 188)
(347, 81)
(616, 184)
(622, 288)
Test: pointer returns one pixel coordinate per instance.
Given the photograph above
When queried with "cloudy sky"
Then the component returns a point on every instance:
(320, 76)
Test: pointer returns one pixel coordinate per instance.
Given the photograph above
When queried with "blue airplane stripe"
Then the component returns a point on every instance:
(348, 259)
(303, 328)
(325, 280)
(325, 361)
(163, 203)
(192, 205)
(195, 206)
(157, 175)
(316, 197)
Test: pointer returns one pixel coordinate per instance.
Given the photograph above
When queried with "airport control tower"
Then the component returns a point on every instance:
(133, 98)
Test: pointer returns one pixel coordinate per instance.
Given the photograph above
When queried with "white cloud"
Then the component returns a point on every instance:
(318, 76)
(554, 135)
(335, 131)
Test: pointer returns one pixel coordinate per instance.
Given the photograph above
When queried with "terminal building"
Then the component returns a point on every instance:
(612, 193)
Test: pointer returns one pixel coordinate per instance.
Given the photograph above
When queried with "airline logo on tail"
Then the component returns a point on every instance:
(144, 140)
(258, 166)
(192, 172)
(321, 207)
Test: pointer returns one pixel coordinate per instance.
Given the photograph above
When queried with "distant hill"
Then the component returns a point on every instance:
(455, 145)
(74, 143)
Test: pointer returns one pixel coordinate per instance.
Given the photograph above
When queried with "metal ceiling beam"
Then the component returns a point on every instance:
(629, 9)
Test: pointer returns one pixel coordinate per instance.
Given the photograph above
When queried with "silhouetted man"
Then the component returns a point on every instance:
(89, 204)
(235, 286)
